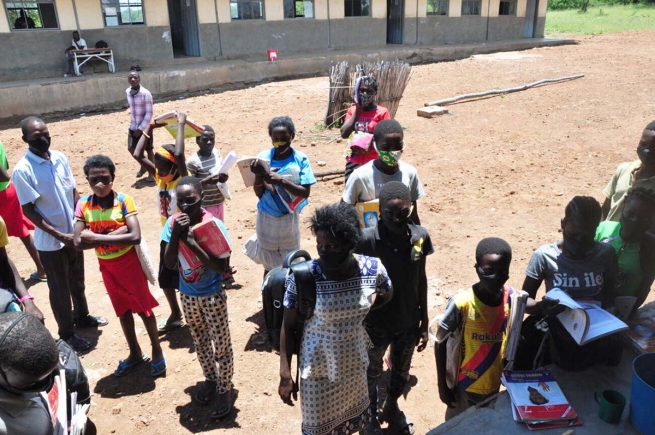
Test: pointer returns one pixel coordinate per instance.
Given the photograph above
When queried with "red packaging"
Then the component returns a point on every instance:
(210, 238)
(271, 54)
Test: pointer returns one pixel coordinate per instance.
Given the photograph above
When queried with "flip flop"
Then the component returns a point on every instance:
(226, 409)
(35, 276)
(205, 393)
(159, 368)
(164, 326)
(124, 368)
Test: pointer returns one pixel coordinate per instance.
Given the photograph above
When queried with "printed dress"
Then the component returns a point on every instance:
(333, 353)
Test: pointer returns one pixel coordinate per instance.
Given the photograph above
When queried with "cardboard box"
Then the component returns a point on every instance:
(369, 213)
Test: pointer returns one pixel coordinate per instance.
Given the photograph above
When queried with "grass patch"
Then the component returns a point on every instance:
(600, 19)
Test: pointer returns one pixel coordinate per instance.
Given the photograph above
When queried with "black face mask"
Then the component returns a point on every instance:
(44, 385)
(190, 209)
(646, 156)
(578, 248)
(633, 229)
(494, 281)
(41, 144)
(397, 228)
(331, 260)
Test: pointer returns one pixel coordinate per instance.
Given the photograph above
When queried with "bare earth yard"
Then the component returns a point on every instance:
(503, 166)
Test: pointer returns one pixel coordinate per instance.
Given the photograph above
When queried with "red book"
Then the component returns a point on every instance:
(210, 238)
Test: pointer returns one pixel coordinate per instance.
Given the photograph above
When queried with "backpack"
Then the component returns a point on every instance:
(101, 44)
(76, 380)
(273, 290)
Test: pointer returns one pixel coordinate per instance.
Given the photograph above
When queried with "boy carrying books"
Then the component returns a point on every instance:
(472, 332)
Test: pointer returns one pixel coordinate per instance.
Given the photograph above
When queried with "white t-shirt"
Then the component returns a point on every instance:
(365, 183)
(79, 45)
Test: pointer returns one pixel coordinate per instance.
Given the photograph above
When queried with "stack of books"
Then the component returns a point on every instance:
(538, 401)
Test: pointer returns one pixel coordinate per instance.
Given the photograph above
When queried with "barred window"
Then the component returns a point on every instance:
(507, 7)
(298, 9)
(471, 7)
(357, 8)
(437, 7)
(122, 12)
(26, 15)
(246, 10)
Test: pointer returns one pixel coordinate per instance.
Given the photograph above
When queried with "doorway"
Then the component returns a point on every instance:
(395, 21)
(183, 18)
(530, 18)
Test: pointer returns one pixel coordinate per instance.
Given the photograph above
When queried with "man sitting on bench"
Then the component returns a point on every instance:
(76, 44)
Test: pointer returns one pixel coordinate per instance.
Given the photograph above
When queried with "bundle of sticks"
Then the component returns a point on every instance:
(392, 78)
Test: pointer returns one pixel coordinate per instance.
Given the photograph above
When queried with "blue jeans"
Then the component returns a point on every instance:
(68, 63)
(402, 348)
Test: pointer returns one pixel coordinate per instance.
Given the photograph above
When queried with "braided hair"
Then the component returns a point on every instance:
(585, 209)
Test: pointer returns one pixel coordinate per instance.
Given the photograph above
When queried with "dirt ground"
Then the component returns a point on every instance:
(503, 166)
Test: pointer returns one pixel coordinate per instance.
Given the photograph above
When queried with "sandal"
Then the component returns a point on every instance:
(164, 326)
(35, 277)
(158, 368)
(205, 393)
(90, 321)
(124, 368)
(224, 409)
(399, 423)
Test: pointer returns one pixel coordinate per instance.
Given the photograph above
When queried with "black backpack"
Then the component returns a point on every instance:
(273, 296)
(101, 44)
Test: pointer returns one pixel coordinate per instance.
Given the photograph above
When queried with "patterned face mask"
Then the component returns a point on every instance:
(390, 158)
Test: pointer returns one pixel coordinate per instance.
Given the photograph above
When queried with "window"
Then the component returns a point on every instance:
(246, 10)
(437, 7)
(122, 12)
(39, 14)
(298, 9)
(357, 8)
(507, 7)
(470, 7)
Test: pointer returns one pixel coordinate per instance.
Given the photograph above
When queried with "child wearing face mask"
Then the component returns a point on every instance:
(578, 265)
(278, 230)
(366, 182)
(168, 168)
(203, 300)
(106, 221)
(204, 165)
(638, 173)
(475, 375)
(402, 324)
(362, 117)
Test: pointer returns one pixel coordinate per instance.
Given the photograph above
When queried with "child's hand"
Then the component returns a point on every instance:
(422, 339)
(181, 225)
(257, 167)
(88, 237)
(119, 231)
(222, 178)
(181, 117)
(551, 307)
(153, 124)
(273, 178)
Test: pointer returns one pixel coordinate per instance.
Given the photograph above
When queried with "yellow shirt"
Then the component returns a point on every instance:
(4, 238)
(483, 342)
(622, 180)
(166, 198)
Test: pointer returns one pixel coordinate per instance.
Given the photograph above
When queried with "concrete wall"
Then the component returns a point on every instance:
(150, 44)
(102, 92)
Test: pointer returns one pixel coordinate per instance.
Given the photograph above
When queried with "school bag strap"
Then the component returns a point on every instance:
(305, 296)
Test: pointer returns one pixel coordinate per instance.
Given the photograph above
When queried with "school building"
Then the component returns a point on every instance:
(35, 33)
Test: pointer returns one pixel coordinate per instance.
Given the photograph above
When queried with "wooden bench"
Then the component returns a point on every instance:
(80, 57)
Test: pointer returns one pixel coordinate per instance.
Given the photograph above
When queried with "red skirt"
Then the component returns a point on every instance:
(12, 213)
(127, 285)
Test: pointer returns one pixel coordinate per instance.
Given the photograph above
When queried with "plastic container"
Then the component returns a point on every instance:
(642, 397)
(271, 54)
